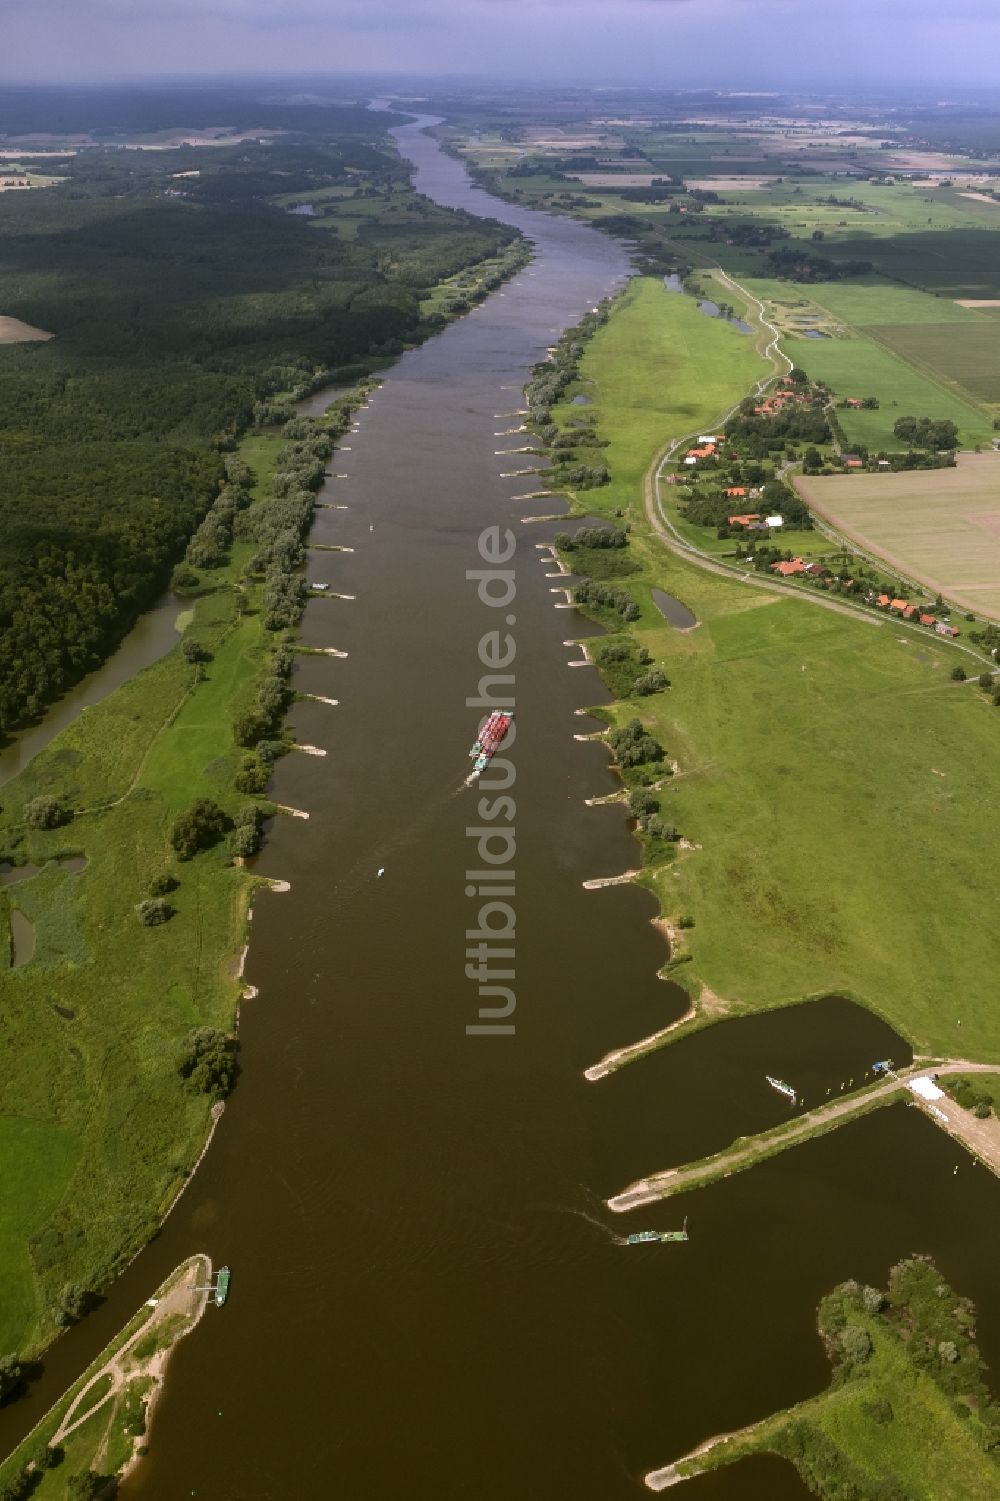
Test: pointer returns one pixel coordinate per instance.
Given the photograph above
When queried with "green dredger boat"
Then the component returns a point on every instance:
(654, 1237)
(222, 1286)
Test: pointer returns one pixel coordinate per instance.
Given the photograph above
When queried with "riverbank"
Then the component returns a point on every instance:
(96, 1117)
(817, 755)
(99, 1426)
(907, 1410)
(98, 1126)
(101, 1113)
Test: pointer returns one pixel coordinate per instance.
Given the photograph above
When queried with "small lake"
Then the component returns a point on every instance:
(13, 875)
(22, 938)
(673, 612)
(712, 310)
(814, 333)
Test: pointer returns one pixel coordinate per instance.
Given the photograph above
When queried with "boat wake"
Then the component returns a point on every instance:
(615, 1239)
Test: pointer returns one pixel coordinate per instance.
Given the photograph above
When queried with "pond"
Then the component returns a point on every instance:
(673, 282)
(582, 400)
(673, 612)
(13, 875)
(22, 938)
(814, 333)
(712, 310)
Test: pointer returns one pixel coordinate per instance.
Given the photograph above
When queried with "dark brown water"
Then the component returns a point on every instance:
(674, 613)
(429, 1297)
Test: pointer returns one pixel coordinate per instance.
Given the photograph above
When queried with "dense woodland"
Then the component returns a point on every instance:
(179, 306)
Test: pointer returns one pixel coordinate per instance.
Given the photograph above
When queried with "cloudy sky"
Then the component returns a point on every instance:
(749, 43)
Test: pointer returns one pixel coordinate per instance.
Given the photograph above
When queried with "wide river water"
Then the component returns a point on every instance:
(429, 1298)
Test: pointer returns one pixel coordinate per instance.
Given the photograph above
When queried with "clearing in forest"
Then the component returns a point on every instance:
(13, 331)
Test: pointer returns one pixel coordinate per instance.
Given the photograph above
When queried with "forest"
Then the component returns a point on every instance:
(180, 305)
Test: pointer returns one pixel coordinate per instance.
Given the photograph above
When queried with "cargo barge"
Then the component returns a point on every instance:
(491, 737)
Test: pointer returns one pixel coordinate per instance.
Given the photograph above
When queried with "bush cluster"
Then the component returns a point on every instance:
(550, 378)
(591, 593)
(591, 536)
(46, 812)
(634, 746)
(247, 834)
(200, 827)
(153, 911)
(208, 1062)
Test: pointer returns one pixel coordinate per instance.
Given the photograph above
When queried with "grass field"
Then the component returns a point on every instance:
(876, 303)
(96, 1131)
(823, 761)
(666, 370)
(941, 527)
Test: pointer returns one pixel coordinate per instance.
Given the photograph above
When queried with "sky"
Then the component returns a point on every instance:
(676, 43)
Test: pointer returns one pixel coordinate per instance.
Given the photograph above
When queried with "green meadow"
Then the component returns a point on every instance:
(100, 1131)
(832, 775)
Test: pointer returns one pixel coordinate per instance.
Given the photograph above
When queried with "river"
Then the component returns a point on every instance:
(428, 1296)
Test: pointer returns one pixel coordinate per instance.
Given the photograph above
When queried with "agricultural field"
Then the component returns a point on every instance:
(965, 262)
(966, 356)
(938, 526)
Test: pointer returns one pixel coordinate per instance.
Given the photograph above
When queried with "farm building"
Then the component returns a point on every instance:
(946, 630)
(746, 520)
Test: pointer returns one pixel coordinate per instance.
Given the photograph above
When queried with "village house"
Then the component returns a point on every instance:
(789, 570)
(746, 520)
(779, 399)
(946, 630)
(736, 492)
(928, 619)
(706, 451)
(852, 460)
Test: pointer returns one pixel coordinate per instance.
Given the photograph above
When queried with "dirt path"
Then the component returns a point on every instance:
(982, 1138)
(183, 1297)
